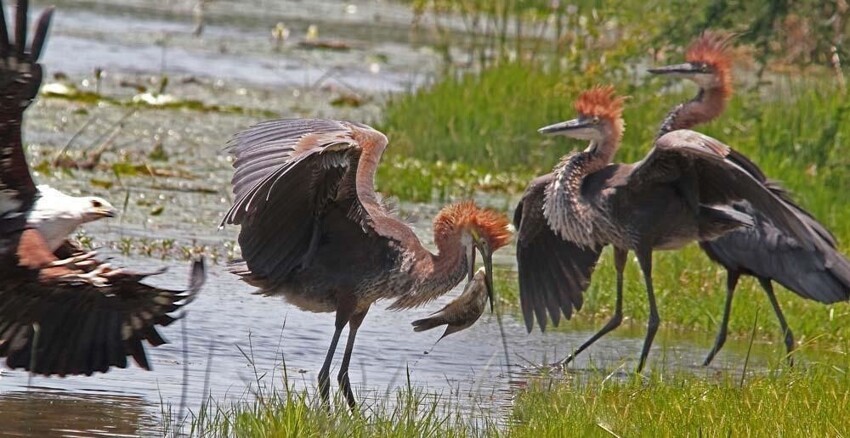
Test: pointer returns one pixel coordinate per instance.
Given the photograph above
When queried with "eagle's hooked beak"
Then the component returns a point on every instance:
(97, 209)
(106, 211)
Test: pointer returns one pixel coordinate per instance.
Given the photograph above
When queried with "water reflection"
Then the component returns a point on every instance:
(44, 412)
(235, 342)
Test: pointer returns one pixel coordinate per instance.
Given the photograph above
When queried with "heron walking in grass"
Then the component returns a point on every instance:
(764, 251)
(679, 193)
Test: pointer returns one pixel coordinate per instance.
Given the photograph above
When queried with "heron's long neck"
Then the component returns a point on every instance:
(436, 274)
(708, 104)
(565, 209)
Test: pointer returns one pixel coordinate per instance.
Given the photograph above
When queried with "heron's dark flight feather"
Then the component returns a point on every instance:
(553, 273)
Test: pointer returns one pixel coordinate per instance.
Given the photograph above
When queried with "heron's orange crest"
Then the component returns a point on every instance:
(601, 101)
(712, 48)
(492, 225)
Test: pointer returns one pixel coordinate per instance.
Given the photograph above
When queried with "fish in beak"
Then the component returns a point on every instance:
(463, 311)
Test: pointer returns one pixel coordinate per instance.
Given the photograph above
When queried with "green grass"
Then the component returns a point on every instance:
(409, 412)
(413, 179)
(804, 401)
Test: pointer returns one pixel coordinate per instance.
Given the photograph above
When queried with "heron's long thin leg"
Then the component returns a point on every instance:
(731, 282)
(789, 337)
(342, 377)
(343, 314)
(645, 260)
(620, 256)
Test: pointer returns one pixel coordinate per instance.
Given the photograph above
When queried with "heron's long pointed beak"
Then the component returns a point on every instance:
(487, 257)
(676, 69)
(564, 127)
(488, 281)
(471, 264)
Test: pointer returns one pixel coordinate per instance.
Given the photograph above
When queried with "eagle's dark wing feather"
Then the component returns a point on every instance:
(63, 320)
(20, 78)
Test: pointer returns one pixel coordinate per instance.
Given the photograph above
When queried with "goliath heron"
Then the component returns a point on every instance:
(314, 230)
(763, 251)
(62, 311)
(675, 195)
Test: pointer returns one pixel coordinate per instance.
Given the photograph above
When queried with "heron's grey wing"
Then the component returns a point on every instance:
(67, 324)
(268, 150)
(697, 160)
(821, 274)
(781, 192)
(20, 78)
(288, 172)
(804, 215)
(553, 272)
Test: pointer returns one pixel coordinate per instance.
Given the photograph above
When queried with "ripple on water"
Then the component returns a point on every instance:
(228, 324)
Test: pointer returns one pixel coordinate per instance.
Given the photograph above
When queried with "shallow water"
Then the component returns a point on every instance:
(237, 46)
(228, 322)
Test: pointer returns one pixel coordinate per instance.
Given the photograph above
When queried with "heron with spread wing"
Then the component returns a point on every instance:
(314, 230)
(679, 193)
(62, 311)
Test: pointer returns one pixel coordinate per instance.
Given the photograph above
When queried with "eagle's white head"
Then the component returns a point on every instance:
(57, 215)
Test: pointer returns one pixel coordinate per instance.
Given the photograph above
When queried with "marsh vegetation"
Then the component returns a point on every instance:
(506, 68)
(472, 131)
